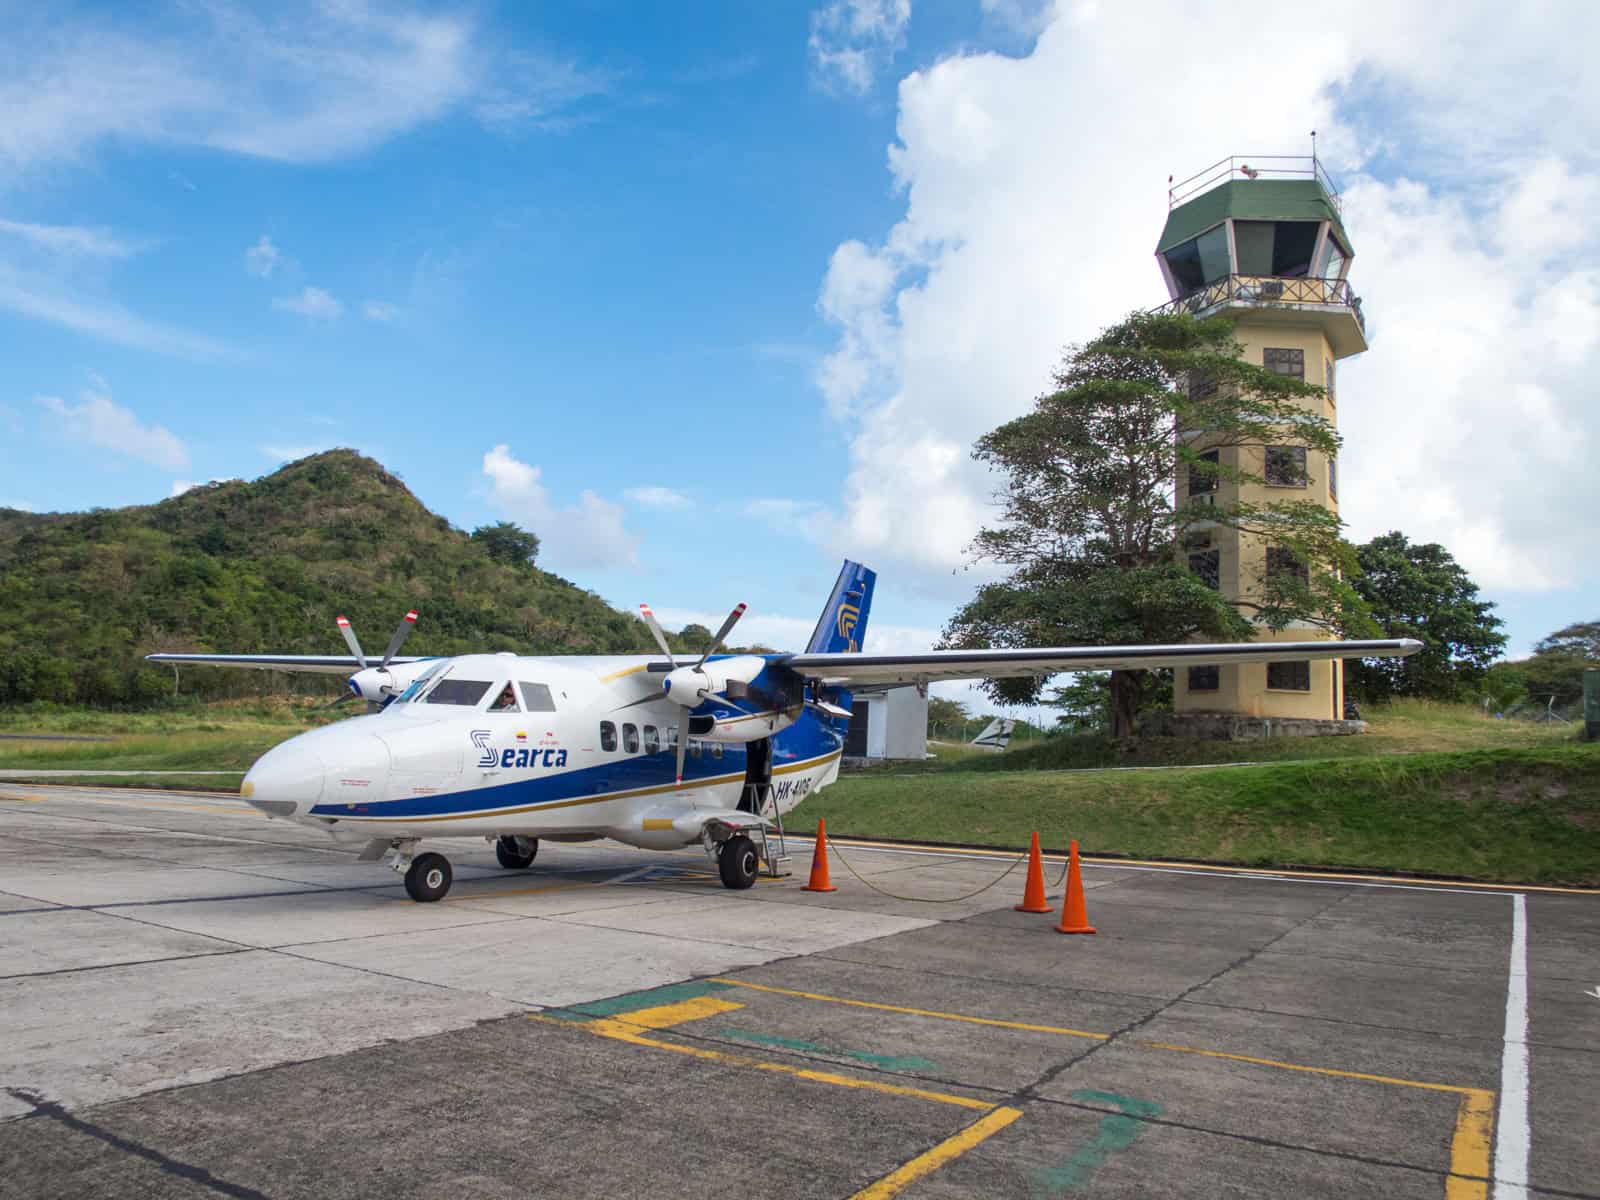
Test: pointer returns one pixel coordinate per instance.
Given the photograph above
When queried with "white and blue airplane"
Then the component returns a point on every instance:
(652, 752)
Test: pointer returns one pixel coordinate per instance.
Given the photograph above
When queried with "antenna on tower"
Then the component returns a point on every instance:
(1313, 152)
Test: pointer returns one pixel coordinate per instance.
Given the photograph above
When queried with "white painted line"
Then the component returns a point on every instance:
(1511, 1126)
(1216, 873)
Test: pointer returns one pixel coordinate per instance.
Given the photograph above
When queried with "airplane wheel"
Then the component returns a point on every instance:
(738, 862)
(511, 853)
(428, 878)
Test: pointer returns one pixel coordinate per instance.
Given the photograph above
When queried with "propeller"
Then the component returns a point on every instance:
(401, 633)
(716, 644)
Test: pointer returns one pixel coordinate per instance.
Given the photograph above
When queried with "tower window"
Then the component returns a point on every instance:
(1286, 466)
(1283, 561)
(1205, 679)
(1289, 676)
(1281, 248)
(1208, 566)
(1327, 379)
(1201, 480)
(1281, 361)
(1201, 387)
(1200, 260)
(1333, 478)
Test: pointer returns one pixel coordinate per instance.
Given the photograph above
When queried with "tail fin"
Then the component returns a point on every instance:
(996, 735)
(843, 624)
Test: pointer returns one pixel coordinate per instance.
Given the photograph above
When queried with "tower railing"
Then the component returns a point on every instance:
(1267, 290)
(1255, 166)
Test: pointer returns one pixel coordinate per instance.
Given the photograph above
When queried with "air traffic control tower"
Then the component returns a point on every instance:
(1260, 240)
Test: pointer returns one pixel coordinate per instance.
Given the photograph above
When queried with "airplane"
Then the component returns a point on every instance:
(653, 752)
(996, 735)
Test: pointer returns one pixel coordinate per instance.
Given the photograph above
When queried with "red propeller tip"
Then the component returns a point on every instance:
(342, 620)
(739, 610)
(645, 609)
(412, 616)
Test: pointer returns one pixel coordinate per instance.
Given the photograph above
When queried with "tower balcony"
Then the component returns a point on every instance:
(1328, 303)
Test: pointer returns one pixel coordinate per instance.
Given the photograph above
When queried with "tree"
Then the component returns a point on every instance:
(1420, 591)
(1090, 525)
(949, 717)
(1559, 661)
(507, 543)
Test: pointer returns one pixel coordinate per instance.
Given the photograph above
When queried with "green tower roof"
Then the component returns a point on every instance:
(1252, 200)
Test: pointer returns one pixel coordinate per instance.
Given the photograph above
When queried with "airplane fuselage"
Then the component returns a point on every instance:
(585, 748)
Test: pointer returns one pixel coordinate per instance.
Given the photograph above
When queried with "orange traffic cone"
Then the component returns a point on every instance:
(1074, 918)
(819, 863)
(1033, 893)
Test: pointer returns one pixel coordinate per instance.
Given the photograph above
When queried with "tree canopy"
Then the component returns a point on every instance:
(1420, 591)
(1559, 661)
(507, 543)
(1090, 524)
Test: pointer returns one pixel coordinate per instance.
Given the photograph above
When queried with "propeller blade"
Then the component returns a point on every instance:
(655, 632)
(350, 640)
(407, 623)
(336, 703)
(716, 642)
(683, 741)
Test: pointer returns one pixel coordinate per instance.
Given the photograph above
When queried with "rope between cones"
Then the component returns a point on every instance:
(1021, 858)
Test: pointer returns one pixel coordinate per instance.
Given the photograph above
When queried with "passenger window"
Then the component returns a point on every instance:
(506, 701)
(608, 736)
(672, 737)
(716, 749)
(652, 739)
(694, 748)
(630, 739)
(465, 692)
(536, 697)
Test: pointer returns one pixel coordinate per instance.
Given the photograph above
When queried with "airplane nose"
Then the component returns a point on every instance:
(285, 780)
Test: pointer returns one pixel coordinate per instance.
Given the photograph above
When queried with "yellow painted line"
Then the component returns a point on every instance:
(917, 1012)
(932, 1160)
(665, 1016)
(1469, 1148)
(220, 810)
(618, 1029)
(1289, 1066)
(32, 799)
(1216, 868)
(656, 823)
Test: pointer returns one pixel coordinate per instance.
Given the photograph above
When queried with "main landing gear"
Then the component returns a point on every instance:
(738, 863)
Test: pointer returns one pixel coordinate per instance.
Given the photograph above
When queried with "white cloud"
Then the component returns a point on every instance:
(312, 302)
(805, 519)
(1467, 421)
(852, 40)
(263, 258)
(591, 534)
(101, 422)
(379, 310)
(180, 486)
(658, 497)
(72, 239)
(19, 505)
(305, 81)
(38, 296)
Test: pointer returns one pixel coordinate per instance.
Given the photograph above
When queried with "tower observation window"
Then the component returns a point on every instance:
(1200, 261)
(1281, 248)
(1208, 566)
(1282, 361)
(1286, 466)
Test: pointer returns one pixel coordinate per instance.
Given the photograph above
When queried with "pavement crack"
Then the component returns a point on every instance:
(51, 1111)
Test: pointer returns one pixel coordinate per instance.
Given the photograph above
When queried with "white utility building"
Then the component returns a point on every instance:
(887, 724)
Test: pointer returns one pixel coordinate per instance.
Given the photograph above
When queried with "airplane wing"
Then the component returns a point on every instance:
(320, 664)
(848, 670)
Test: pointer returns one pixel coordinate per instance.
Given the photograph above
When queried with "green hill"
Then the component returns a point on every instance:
(266, 565)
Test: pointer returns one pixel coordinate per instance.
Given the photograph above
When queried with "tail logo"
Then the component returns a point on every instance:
(845, 621)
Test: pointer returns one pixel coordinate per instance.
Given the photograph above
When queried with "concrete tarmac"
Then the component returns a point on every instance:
(197, 1001)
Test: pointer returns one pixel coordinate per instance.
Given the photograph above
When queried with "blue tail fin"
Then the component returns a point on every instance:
(843, 624)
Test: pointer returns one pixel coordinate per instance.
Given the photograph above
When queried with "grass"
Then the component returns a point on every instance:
(1529, 814)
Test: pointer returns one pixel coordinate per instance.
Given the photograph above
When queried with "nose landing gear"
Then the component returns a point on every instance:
(427, 876)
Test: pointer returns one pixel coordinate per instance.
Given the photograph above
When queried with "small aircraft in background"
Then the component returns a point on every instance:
(994, 736)
(654, 752)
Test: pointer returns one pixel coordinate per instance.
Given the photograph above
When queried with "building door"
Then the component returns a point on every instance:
(855, 739)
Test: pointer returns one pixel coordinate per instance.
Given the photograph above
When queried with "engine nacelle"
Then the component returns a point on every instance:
(378, 685)
(691, 688)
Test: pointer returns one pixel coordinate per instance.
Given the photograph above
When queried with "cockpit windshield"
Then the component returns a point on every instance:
(417, 684)
(463, 692)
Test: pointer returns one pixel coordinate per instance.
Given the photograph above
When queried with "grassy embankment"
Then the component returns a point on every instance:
(1431, 788)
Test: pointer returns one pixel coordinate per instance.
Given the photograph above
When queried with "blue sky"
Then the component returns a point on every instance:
(709, 295)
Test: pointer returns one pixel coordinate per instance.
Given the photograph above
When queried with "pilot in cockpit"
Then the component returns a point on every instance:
(506, 701)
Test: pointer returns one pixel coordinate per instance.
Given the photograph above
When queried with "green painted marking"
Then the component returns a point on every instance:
(652, 998)
(1117, 1132)
(887, 1061)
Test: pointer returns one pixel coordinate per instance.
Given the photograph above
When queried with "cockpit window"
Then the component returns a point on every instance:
(465, 692)
(506, 701)
(417, 684)
(536, 697)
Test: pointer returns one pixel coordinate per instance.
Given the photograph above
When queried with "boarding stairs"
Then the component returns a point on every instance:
(774, 849)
